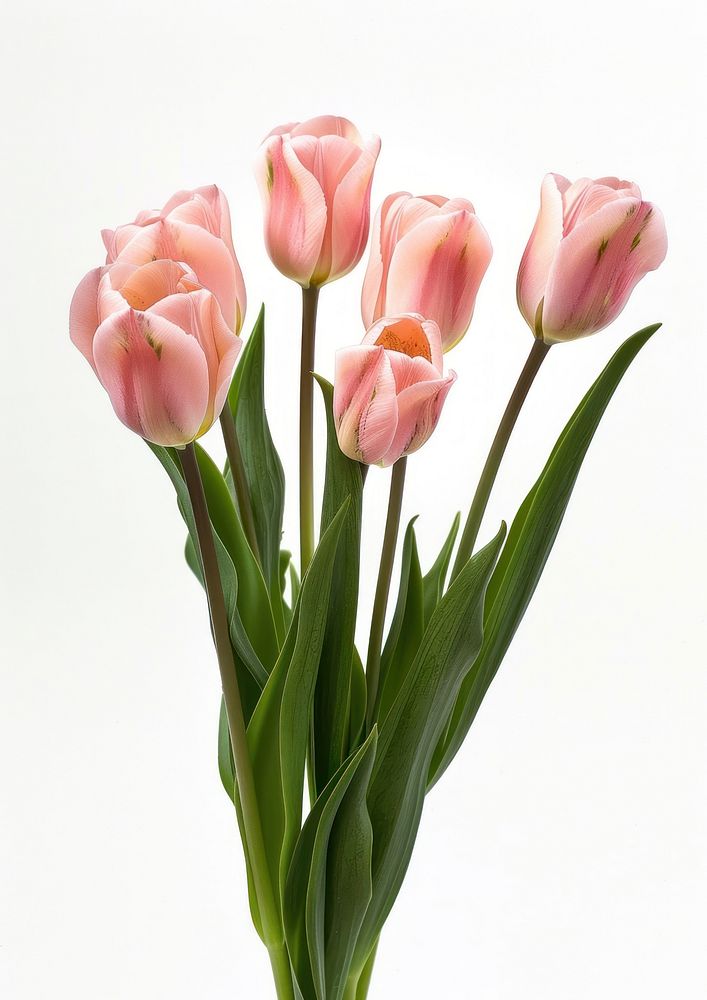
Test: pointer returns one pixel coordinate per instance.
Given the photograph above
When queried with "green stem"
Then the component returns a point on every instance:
(310, 297)
(240, 481)
(538, 353)
(254, 844)
(380, 602)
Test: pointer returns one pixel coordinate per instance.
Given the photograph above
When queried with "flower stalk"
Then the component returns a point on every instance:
(380, 603)
(245, 782)
(538, 353)
(310, 298)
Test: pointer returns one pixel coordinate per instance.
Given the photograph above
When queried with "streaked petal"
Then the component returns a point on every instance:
(365, 408)
(436, 270)
(155, 374)
(597, 266)
(419, 409)
(385, 227)
(351, 213)
(198, 314)
(295, 210)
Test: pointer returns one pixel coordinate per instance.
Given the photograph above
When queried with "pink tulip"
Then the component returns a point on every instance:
(193, 228)
(592, 243)
(315, 180)
(389, 390)
(159, 345)
(428, 255)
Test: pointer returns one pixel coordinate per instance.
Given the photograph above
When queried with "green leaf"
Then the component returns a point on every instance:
(357, 709)
(253, 599)
(226, 765)
(278, 731)
(407, 625)
(252, 675)
(266, 479)
(433, 582)
(332, 699)
(410, 732)
(328, 886)
(529, 544)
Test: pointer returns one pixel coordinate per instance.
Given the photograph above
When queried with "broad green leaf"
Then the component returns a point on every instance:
(410, 732)
(329, 881)
(529, 544)
(252, 675)
(349, 886)
(253, 599)
(407, 625)
(266, 479)
(433, 582)
(332, 699)
(278, 731)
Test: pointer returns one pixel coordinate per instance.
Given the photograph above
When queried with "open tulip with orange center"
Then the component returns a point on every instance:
(389, 390)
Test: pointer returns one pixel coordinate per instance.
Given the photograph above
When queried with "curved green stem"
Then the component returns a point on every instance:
(240, 482)
(310, 298)
(380, 602)
(254, 844)
(538, 353)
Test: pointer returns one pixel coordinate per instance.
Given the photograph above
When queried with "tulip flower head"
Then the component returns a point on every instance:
(389, 390)
(194, 228)
(315, 181)
(428, 256)
(592, 243)
(157, 339)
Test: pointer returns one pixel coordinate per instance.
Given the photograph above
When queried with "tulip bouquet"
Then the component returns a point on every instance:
(159, 323)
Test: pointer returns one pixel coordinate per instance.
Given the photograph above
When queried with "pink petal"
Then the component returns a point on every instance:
(326, 125)
(213, 264)
(295, 210)
(419, 409)
(383, 240)
(198, 314)
(144, 285)
(436, 270)
(540, 251)
(597, 266)
(365, 407)
(155, 374)
(83, 313)
(351, 212)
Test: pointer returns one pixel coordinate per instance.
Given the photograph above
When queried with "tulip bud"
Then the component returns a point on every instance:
(428, 256)
(193, 228)
(315, 181)
(592, 243)
(389, 390)
(159, 345)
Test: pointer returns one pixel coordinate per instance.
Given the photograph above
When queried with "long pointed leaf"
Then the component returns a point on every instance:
(529, 544)
(322, 903)
(433, 582)
(278, 731)
(410, 732)
(330, 730)
(251, 672)
(266, 479)
(407, 625)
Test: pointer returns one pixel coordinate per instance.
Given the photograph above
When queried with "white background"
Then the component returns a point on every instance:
(565, 852)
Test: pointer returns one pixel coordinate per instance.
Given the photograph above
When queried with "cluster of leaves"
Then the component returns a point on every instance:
(337, 873)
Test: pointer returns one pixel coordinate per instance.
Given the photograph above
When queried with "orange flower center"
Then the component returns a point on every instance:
(406, 336)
